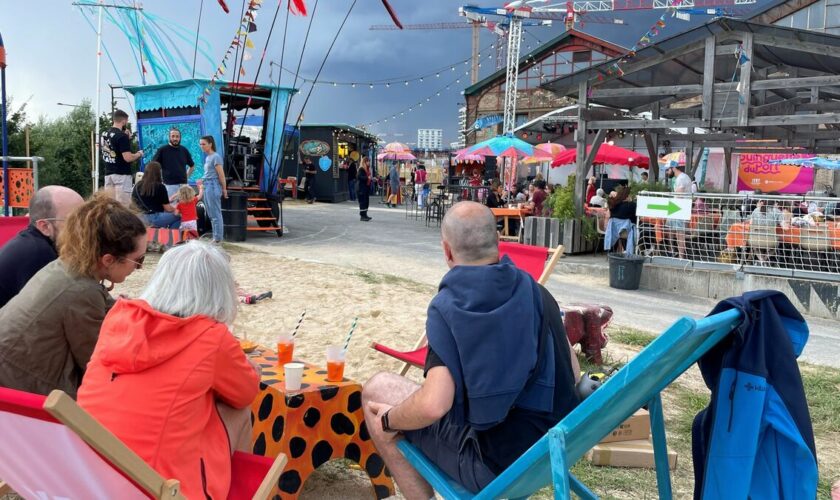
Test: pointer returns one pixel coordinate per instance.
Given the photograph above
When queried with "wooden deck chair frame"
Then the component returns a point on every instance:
(639, 382)
(553, 256)
(65, 410)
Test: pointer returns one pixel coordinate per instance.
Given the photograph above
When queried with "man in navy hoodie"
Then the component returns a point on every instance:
(499, 370)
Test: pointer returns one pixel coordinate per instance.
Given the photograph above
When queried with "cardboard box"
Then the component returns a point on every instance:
(634, 428)
(636, 454)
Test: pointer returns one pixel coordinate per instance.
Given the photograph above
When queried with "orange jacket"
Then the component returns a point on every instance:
(154, 380)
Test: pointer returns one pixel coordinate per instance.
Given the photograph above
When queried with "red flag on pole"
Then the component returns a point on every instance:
(224, 6)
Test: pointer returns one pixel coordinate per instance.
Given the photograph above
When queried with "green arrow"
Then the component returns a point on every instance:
(671, 207)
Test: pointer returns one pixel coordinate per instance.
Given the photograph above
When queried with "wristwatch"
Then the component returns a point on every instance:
(386, 424)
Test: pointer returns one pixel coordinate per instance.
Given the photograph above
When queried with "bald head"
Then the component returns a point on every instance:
(50, 206)
(469, 232)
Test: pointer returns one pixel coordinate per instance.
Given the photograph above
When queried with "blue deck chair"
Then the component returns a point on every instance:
(638, 383)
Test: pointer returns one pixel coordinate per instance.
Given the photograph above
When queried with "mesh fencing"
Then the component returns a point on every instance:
(760, 233)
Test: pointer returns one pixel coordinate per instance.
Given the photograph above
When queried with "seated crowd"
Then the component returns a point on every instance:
(185, 386)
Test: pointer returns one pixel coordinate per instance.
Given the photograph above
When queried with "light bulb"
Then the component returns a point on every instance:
(388, 85)
(353, 85)
(335, 84)
(421, 78)
(371, 85)
(406, 83)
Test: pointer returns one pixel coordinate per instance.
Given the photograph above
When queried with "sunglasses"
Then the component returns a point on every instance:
(138, 264)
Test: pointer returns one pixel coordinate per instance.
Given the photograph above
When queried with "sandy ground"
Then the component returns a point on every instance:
(389, 310)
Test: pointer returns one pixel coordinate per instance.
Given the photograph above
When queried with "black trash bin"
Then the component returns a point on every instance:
(235, 216)
(625, 271)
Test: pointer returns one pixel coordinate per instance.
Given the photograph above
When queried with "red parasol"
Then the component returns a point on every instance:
(607, 154)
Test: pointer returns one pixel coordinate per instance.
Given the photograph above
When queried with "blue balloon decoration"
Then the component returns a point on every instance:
(325, 163)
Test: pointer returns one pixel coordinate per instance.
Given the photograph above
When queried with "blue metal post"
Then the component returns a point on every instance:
(660, 448)
(4, 132)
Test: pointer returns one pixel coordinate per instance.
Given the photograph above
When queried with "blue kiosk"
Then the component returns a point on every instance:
(252, 161)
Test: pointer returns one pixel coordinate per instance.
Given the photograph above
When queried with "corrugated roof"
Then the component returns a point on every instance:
(688, 68)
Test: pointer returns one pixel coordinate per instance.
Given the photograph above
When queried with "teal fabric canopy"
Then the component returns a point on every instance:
(180, 94)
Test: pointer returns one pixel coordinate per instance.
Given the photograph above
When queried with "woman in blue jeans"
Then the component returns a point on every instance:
(149, 195)
(214, 185)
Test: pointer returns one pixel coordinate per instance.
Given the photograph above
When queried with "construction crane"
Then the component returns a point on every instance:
(497, 28)
(517, 11)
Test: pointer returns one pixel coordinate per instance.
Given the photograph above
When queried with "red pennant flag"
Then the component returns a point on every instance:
(224, 6)
(392, 14)
(297, 7)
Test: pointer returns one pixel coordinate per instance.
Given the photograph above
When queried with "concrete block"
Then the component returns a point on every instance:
(668, 279)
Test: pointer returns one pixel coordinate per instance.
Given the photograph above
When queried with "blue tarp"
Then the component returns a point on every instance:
(181, 94)
(274, 139)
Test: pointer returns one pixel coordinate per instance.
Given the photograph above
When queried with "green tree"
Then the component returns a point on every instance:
(64, 143)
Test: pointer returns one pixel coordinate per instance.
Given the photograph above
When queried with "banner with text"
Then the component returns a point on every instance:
(756, 172)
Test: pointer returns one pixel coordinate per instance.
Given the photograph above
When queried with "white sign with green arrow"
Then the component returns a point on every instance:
(663, 208)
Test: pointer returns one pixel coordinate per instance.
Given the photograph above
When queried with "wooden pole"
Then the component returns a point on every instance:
(580, 145)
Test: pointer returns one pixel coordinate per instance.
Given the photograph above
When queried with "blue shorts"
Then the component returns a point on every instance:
(454, 449)
(675, 224)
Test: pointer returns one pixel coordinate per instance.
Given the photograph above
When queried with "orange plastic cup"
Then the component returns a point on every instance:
(335, 364)
(285, 351)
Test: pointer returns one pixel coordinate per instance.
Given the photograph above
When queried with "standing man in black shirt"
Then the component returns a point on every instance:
(352, 173)
(117, 157)
(176, 163)
(309, 172)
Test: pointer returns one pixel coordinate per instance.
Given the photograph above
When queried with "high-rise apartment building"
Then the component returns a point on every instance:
(429, 138)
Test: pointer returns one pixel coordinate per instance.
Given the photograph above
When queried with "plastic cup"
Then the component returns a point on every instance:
(335, 363)
(294, 375)
(285, 349)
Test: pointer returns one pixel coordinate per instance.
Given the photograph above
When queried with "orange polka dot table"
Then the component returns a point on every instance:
(322, 421)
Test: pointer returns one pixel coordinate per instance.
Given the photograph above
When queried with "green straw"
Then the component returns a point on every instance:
(350, 334)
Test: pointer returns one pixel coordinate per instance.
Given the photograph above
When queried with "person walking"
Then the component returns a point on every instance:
(309, 173)
(115, 148)
(215, 186)
(419, 182)
(176, 163)
(364, 190)
(394, 185)
(150, 197)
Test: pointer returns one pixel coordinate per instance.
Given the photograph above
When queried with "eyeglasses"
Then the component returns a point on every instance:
(52, 219)
(138, 264)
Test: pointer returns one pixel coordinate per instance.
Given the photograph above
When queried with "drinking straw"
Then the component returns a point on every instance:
(350, 334)
(300, 320)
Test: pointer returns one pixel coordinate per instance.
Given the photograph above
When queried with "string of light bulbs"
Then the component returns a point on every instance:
(393, 81)
(418, 104)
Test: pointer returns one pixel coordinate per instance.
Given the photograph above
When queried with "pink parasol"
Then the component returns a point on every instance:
(463, 156)
(396, 151)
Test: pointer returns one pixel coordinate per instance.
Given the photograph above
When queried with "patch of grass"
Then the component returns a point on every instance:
(822, 384)
(688, 404)
(631, 336)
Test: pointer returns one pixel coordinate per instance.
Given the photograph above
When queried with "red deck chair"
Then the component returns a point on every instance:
(53, 449)
(11, 226)
(531, 259)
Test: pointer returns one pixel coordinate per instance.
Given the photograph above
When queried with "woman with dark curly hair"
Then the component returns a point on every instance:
(49, 329)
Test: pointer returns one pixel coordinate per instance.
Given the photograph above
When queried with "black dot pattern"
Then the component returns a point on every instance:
(259, 445)
(354, 402)
(277, 428)
(297, 446)
(295, 400)
(328, 392)
(311, 417)
(290, 481)
(340, 424)
(321, 453)
(352, 452)
(265, 407)
(374, 465)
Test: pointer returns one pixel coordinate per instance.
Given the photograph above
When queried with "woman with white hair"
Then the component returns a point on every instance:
(599, 200)
(166, 362)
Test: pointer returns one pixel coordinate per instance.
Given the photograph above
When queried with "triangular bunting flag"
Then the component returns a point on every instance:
(246, 56)
(249, 43)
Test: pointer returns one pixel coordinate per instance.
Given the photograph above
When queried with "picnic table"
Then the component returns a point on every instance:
(506, 214)
(320, 422)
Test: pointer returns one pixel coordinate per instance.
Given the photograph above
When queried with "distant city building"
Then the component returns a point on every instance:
(429, 138)
(456, 144)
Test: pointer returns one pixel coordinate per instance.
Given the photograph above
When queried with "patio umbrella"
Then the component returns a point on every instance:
(396, 151)
(673, 160)
(607, 154)
(507, 147)
(463, 156)
(815, 162)
(396, 156)
(550, 148)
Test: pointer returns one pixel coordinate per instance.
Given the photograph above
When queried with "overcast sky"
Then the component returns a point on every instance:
(51, 53)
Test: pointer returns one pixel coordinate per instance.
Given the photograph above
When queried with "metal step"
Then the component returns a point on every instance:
(262, 218)
(259, 209)
(256, 228)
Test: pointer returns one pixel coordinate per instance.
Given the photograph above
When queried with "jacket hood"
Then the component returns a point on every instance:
(135, 337)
